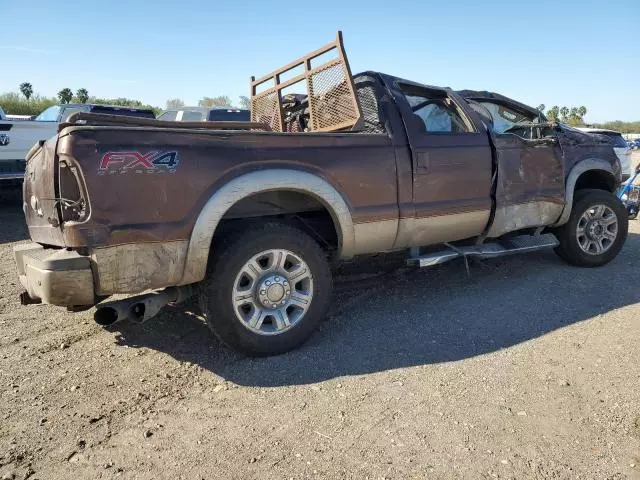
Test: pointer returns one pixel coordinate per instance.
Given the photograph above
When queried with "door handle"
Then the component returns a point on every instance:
(422, 162)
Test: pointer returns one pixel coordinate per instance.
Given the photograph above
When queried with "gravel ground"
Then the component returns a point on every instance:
(528, 368)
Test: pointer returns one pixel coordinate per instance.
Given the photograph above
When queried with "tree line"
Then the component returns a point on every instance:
(28, 103)
(573, 116)
(219, 101)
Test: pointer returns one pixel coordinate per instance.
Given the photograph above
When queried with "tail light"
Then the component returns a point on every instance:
(72, 203)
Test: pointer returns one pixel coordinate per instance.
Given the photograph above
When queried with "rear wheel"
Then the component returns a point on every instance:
(596, 230)
(267, 288)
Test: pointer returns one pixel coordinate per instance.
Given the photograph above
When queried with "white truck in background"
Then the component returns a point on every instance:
(18, 136)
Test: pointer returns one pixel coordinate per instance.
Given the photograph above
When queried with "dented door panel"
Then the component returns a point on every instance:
(529, 185)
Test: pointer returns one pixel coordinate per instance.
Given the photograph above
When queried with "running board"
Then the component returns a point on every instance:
(508, 246)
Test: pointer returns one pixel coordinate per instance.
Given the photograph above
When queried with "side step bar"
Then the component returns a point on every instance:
(509, 246)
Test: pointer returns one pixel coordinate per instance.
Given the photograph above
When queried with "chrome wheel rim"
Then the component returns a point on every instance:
(597, 229)
(272, 292)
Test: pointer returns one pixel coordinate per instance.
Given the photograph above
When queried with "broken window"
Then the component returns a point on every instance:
(438, 113)
(504, 117)
(507, 120)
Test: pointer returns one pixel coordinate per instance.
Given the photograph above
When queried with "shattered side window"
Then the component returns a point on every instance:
(485, 115)
(437, 114)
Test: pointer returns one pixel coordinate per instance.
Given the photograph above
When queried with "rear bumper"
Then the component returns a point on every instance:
(55, 276)
(65, 278)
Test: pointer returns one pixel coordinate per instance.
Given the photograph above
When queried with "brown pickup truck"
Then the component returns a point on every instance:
(249, 216)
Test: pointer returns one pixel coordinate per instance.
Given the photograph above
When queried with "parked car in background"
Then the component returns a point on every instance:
(205, 114)
(5, 139)
(26, 133)
(620, 146)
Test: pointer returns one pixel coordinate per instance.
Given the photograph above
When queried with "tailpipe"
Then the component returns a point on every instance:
(26, 299)
(142, 307)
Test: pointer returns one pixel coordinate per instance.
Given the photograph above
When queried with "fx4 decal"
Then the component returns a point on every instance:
(137, 162)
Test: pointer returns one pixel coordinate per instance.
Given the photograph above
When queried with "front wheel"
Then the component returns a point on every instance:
(267, 289)
(596, 230)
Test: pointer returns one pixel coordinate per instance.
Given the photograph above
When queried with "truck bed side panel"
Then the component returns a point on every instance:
(147, 205)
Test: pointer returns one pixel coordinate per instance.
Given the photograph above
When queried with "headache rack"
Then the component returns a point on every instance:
(322, 96)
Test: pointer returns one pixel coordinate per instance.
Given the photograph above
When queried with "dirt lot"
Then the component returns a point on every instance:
(527, 369)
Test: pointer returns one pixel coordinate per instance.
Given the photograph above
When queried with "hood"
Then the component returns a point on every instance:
(586, 138)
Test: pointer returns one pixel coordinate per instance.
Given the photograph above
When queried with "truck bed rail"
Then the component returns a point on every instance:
(103, 119)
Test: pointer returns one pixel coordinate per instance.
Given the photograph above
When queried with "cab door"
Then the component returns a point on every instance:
(452, 166)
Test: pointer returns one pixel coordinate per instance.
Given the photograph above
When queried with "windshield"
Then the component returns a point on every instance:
(169, 115)
(192, 116)
(503, 117)
(49, 115)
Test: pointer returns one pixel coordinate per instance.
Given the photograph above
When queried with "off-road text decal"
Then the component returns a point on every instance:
(138, 162)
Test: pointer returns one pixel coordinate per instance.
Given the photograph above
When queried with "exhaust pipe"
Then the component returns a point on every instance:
(142, 307)
(26, 299)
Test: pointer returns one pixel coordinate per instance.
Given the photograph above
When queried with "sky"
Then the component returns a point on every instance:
(560, 52)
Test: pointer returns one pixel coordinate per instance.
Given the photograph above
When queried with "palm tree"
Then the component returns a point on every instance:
(82, 95)
(26, 89)
(65, 95)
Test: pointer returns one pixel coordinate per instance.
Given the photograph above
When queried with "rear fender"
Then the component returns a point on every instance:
(256, 182)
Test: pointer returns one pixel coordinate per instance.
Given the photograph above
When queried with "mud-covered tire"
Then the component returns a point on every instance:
(570, 248)
(232, 256)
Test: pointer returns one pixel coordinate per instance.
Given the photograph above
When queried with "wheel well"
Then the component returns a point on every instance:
(598, 179)
(296, 208)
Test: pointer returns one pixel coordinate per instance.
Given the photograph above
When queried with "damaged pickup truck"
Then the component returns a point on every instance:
(249, 216)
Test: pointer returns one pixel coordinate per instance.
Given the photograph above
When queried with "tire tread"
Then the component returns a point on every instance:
(222, 321)
(569, 250)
